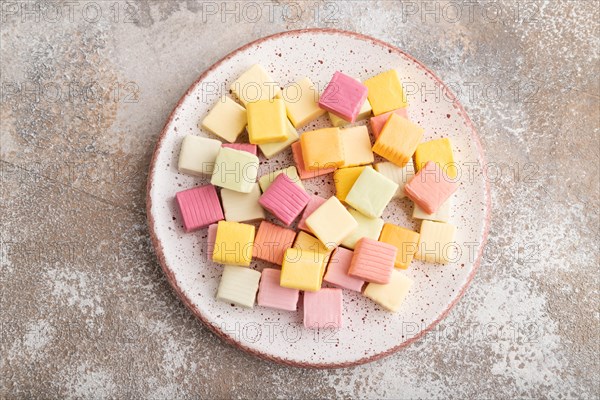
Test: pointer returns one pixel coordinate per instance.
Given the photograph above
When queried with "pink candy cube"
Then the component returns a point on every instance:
(379, 121)
(373, 261)
(299, 160)
(210, 240)
(314, 203)
(271, 294)
(199, 207)
(323, 309)
(343, 96)
(430, 188)
(284, 199)
(337, 271)
(250, 148)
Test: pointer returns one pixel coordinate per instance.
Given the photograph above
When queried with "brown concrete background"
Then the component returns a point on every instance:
(85, 309)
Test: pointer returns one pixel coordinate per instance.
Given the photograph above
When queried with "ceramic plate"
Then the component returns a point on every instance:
(369, 332)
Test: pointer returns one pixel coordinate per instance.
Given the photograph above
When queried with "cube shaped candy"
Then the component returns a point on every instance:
(250, 148)
(367, 227)
(284, 199)
(314, 203)
(364, 113)
(235, 170)
(390, 296)
(255, 84)
(199, 207)
(344, 179)
(227, 119)
(439, 151)
(373, 261)
(398, 140)
(271, 294)
(371, 193)
(238, 286)
(331, 223)
(307, 242)
(302, 270)
(241, 207)
(197, 155)
(405, 241)
(430, 188)
(323, 309)
(271, 149)
(267, 121)
(441, 215)
(301, 102)
(272, 241)
(436, 242)
(299, 160)
(233, 244)
(337, 271)
(385, 92)
(379, 121)
(291, 172)
(322, 148)
(400, 175)
(357, 146)
(343, 96)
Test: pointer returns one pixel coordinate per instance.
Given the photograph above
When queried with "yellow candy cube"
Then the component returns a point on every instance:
(322, 148)
(385, 92)
(436, 242)
(233, 244)
(302, 103)
(344, 179)
(302, 270)
(255, 84)
(306, 242)
(227, 119)
(267, 121)
(331, 223)
(398, 140)
(357, 146)
(405, 240)
(439, 151)
(391, 295)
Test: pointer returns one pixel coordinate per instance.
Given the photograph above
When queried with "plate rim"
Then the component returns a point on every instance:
(157, 244)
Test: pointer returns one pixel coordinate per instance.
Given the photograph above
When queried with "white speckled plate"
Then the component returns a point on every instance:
(369, 332)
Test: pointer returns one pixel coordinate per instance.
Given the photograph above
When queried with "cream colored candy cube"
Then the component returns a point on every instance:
(238, 286)
(391, 295)
(235, 170)
(302, 102)
(367, 227)
(436, 242)
(357, 146)
(266, 180)
(271, 149)
(197, 155)
(364, 113)
(331, 222)
(227, 119)
(441, 215)
(255, 84)
(400, 175)
(240, 207)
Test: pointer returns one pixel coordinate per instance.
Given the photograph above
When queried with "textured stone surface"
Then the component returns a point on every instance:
(86, 310)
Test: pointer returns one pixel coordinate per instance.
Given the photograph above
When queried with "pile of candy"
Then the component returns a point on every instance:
(341, 240)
